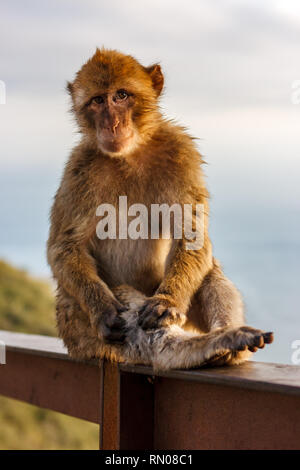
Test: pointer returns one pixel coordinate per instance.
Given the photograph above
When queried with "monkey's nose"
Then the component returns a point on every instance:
(115, 125)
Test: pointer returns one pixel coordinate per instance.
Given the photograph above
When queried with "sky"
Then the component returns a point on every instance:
(229, 70)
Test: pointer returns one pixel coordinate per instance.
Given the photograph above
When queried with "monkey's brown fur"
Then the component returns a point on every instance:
(140, 301)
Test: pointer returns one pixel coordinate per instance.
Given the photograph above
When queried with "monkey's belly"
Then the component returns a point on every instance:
(139, 263)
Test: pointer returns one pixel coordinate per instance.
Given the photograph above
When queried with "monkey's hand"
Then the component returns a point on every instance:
(159, 311)
(109, 323)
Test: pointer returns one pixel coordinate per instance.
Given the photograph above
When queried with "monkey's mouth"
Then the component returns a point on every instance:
(115, 143)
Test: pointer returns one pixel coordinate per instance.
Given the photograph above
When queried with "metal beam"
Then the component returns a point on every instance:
(60, 385)
(191, 415)
(127, 410)
(253, 406)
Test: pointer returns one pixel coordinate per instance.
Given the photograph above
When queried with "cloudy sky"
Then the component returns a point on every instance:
(229, 69)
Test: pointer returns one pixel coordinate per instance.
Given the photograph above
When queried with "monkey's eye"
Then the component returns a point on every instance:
(98, 100)
(122, 94)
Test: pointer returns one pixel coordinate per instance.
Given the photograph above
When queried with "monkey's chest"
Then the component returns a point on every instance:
(130, 247)
(140, 263)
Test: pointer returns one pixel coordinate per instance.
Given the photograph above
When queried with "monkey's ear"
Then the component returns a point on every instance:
(70, 88)
(157, 78)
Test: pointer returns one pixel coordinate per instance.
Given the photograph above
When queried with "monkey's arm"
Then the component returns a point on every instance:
(184, 274)
(74, 268)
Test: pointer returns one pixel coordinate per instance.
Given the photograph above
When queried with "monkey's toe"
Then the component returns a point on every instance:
(258, 341)
(268, 337)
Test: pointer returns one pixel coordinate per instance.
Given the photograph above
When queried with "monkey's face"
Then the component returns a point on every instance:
(115, 101)
(111, 115)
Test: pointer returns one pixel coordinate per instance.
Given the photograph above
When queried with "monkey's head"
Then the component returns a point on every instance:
(115, 100)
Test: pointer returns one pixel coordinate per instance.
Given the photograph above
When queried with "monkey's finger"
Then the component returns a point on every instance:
(146, 313)
(118, 323)
(142, 309)
(171, 316)
(150, 321)
(113, 318)
(156, 319)
(167, 313)
(115, 336)
(142, 315)
(122, 308)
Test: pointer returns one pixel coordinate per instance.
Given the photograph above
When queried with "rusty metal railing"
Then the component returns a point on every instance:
(253, 406)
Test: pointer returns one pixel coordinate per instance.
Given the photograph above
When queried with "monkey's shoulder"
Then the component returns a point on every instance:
(175, 142)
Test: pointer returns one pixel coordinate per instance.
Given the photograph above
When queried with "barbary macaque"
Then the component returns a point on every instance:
(138, 300)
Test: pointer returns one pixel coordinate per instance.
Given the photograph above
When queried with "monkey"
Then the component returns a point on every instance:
(138, 301)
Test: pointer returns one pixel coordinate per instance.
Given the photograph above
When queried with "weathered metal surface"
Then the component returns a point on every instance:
(136, 412)
(109, 416)
(252, 375)
(60, 385)
(34, 344)
(253, 406)
(126, 420)
(191, 415)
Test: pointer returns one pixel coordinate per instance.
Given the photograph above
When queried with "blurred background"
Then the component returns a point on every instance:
(230, 67)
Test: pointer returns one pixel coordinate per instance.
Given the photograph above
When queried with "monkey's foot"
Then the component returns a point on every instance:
(236, 344)
(243, 338)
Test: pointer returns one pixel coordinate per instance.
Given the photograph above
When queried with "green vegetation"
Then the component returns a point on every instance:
(27, 306)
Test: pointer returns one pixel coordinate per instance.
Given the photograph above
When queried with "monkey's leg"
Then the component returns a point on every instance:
(175, 348)
(218, 304)
(164, 348)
